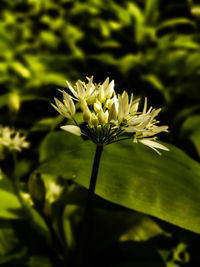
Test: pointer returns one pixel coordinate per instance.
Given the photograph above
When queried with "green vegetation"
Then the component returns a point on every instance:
(146, 207)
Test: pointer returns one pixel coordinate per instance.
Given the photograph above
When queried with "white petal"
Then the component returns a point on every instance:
(125, 101)
(145, 106)
(90, 85)
(143, 118)
(72, 89)
(153, 145)
(72, 107)
(80, 89)
(72, 129)
(105, 83)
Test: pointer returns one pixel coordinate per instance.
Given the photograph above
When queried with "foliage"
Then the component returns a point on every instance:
(146, 207)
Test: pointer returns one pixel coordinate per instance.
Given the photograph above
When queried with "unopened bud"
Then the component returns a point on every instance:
(86, 114)
(83, 104)
(102, 117)
(91, 99)
(101, 95)
(94, 120)
(109, 90)
(97, 106)
(112, 113)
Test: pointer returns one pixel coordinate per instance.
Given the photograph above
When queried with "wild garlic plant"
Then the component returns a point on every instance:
(107, 117)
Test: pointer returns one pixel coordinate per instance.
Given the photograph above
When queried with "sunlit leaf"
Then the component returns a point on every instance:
(154, 81)
(21, 69)
(171, 23)
(129, 62)
(141, 180)
(151, 11)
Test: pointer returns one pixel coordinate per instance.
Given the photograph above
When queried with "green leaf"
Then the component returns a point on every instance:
(131, 226)
(123, 15)
(39, 261)
(191, 124)
(129, 61)
(186, 42)
(171, 23)
(154, 81)
(20, 69)
(138, 18)
(9, 204)
(105, 58)
(136, 12)
(131, 175)
(151, 11)
(195, 138)
(8, 240)
(186, 112)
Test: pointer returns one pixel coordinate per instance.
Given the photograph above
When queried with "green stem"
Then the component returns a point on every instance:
(84, 253)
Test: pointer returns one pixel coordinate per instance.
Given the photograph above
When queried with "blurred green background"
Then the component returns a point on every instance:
(150, 48)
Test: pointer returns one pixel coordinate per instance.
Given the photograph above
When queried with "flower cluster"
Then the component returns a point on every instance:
(12, 139)
(108, 117)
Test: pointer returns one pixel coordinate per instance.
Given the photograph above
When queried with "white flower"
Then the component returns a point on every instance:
(83, 91)
(67, 108)
(109, 117)
(12, 139)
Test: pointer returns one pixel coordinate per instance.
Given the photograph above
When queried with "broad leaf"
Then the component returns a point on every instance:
(131, 175)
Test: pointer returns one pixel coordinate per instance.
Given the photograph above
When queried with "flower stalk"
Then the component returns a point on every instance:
(87, 226)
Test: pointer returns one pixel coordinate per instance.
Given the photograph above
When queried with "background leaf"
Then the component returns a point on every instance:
(9, 204)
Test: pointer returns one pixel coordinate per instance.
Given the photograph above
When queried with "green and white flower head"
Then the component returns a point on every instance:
(12, 139)
(108, 117)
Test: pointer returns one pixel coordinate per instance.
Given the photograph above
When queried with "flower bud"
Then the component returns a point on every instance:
(91, 99)
(112, 114)
(102, 117)
(83, 104)
(97, 106)
(109, 90)
(105, 83)
(69, 104)
(94, 120)
(86, 114)
(101, 95)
